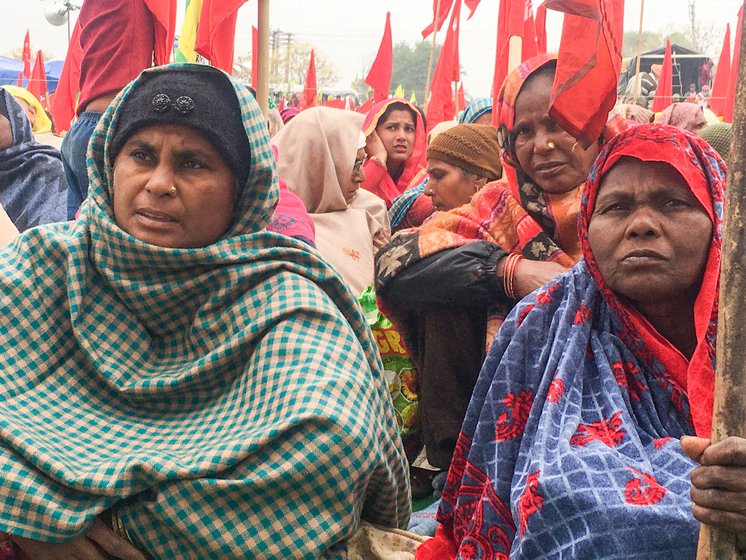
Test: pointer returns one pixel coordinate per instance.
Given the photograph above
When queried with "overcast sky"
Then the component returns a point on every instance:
(348, 32)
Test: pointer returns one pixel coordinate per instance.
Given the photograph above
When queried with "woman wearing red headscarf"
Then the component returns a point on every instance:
(395, 136)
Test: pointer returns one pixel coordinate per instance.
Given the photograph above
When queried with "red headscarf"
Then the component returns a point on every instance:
(705, 173)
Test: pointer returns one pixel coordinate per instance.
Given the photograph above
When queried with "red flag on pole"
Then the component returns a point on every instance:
(541, 28)
(588, 65)
(379, 76)
(365, 107)
(440, 107)
(164, 13)
(515, 18)
(442, 16)
(720, 85)
(309, 87)
(38, 82)
(26, 57)
(472, 5)
(664, 91)
(254, 57)
(216, 32)
(730, 97)
(65, 98)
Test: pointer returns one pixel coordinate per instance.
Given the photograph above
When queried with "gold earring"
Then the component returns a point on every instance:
(172, 190)
(551, 145)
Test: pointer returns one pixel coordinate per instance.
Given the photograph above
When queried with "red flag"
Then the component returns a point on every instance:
(664, 91)
(335, 103)
(365, 107)
(461, 105)
(254, 57)
(445, 7)
(216, 32)
(379, 76)
(26, 57)
(541, 29)
(588, 65)
(164, 13)
(720, 85)
(309, 87)
(472, 5)
(440, 107)
(730, 97)
(281, 106)
(513, 20)
(65, 97)
(38, 82)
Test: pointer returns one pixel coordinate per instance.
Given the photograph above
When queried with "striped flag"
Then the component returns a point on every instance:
(188, 36)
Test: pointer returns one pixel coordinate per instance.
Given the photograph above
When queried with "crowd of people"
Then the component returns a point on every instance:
(187, 371)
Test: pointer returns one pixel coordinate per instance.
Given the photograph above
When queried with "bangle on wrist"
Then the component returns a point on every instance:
(511, 264)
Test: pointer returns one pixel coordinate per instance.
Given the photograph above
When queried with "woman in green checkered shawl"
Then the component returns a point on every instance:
(204, 387)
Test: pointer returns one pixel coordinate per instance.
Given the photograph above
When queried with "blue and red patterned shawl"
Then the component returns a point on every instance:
(569, 448)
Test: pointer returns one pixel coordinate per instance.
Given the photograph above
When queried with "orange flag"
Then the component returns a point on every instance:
(730, 97)
(65, 98)
(26, 57)
(216, 32)
(588, 65)
(440, 107)
(720, 85)
(38, 82)
(379, 76)
(164, 14)
(309, 87)
(664, 91)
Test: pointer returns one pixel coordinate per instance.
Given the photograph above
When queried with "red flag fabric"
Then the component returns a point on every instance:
(335, 103)
(588, 65)
(216, 32)
(442, 16)
(365, 107)
(26, 57)
(720, 84)
(281, 106)
(379, 76)
(515, 18)
(540, 24)
(461, 98)
(664, 91)
(730, 97)
(309, 87)
(164, 14)
(38, 82)
(65, 97)
(440, 107)
(254, 57)
(472, 5)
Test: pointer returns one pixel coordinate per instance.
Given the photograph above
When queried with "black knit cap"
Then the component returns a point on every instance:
(200, 97)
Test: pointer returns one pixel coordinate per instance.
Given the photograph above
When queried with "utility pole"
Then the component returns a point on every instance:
(692, 19)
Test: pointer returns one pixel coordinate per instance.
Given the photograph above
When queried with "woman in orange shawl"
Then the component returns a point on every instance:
(449, 283)
(395, 136)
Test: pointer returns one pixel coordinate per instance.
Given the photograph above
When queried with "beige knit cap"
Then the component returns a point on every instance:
(472, 147)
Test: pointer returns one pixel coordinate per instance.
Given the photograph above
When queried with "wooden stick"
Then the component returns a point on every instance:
(729, 414)
(262, 87)
(432, 54)
(639, 53)
(515, 51)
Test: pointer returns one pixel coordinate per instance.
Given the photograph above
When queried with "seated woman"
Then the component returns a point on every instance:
(449, 284)
(460, 161)
(395, 136)
(321, 154)
(570, 447)
(478, 112)
(172, 370)
(33, 188)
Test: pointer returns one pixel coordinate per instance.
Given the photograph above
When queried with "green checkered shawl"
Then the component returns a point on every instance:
(226, 401)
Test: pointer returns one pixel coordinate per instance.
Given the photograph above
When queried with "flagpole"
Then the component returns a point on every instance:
(729, 406)
(432, 53)
(639, 53)
(262, 86)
